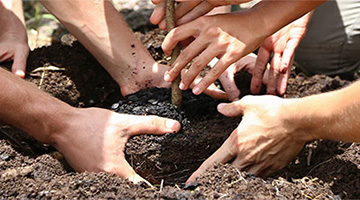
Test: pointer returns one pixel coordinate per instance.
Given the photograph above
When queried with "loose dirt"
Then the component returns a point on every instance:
(28, 169)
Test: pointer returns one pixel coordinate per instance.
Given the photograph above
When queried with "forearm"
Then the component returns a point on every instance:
(29, 109)
(102, 30)
(16, 6)
(333, 115)
(272, 15)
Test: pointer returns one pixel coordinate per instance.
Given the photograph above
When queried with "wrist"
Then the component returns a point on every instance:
(48, 120)
(300, 120)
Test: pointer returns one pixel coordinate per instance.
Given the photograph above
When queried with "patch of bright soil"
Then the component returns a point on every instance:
(322, 170)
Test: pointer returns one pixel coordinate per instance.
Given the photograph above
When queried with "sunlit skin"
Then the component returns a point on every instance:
(13, 37)
(274, 130)
(91, 139)
(224, 37)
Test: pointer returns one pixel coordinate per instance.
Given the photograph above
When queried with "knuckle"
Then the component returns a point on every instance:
(213, 32)
(185, 55)
(197, 64)
(215, 72)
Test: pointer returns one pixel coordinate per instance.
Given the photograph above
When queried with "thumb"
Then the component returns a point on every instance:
(154, 125)
(233, 109)
(19, 64)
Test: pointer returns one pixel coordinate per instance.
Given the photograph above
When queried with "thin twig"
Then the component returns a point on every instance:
(176, 95)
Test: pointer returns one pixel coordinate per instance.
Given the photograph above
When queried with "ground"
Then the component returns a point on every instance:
(28, 169)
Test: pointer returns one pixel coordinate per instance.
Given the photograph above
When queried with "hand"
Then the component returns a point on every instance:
(215, 37)
(187, 10)
(282, 45)
(94, 139)
(227, 80)
(13, 42)
(266, 140)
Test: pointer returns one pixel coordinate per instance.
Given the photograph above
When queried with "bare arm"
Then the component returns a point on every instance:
(332, 115)
(274, 130)
(91, 139)
(229, 37)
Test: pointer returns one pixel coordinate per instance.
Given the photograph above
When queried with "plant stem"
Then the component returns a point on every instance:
(176, 96)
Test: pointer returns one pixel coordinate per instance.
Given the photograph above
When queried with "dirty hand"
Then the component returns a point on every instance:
(266, 140)
(13, 42)
(94, 139)
(227, 78)
(281, 46)
(215, 36)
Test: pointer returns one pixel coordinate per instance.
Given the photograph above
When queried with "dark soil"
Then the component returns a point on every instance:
(28, 169)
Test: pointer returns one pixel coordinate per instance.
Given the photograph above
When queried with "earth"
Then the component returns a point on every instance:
(28, 169)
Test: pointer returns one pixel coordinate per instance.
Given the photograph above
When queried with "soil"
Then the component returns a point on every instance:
(28, 169)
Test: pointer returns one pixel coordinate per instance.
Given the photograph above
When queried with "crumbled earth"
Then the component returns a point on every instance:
(28, 169)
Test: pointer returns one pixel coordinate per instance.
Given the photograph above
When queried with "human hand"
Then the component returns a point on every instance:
(13, 42)
(94, 139)
(187, 10)
(281, 46)
(154, 77)
(227, 80)
(215, 36)
(266, 140)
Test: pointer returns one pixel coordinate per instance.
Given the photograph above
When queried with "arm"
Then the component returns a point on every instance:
(229, 37)
(102, 30)
(13, 37)
(274, 130)
(91, 139)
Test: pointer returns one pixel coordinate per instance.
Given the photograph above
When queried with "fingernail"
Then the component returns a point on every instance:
(173, 125)
(167, 77)
(20, 73)
(196, 90)
(221, 106)
(182, 86)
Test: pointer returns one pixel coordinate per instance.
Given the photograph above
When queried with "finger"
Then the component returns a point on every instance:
(178, 34)
(200, 10)
(274, 74)
(215, 92)
(152, 125)
(158, 13)
(185, 57)
(124, 170)
(224, 62)
(222, 155)
(283, 80)
(258, 72)
(19, 64)
(199, 63)
(228, 82)
(257, 168)
(288, 55)
(233, 109)
(181, 10)
(240, 163)
(212, 90)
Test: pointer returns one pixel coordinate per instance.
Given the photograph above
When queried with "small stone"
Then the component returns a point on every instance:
(4, 156)
(115, 106)
(152, 101)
